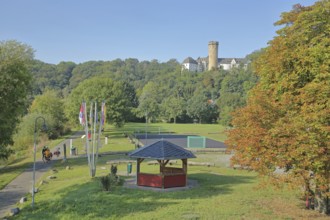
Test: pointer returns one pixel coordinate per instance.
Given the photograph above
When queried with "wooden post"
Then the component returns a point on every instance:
(138, 161)
(160, 166)
(137, 165)
(137, 171)
(184, 165)
(161, 169)
(185, 168)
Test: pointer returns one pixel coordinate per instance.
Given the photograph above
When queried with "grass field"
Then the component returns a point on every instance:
(116, 142)
(213, 131)
(222, 193)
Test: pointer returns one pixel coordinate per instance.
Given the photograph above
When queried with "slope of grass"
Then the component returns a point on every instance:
(222, 193)
(11, 171)
(15, 167)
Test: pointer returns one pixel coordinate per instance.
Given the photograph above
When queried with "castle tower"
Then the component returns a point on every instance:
(213, 55)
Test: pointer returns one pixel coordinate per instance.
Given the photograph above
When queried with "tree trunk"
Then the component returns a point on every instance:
(174, 120)
(322, 203)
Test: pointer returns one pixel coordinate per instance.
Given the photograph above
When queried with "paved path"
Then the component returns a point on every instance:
(22, 185)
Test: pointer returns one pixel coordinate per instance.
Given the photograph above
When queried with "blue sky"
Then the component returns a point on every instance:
(84, 30)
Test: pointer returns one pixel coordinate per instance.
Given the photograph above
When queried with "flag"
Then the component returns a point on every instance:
(103, 113)
(82, 115)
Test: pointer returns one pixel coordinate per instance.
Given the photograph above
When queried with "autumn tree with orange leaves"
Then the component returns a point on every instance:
(284, 131)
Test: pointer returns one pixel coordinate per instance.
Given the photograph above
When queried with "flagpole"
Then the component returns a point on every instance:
(94, 141)
(100, 129)
(86, 133)
(104, 118)
(94, 138)
(91, 140)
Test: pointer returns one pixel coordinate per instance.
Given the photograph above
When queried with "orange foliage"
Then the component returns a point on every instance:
(286, 124)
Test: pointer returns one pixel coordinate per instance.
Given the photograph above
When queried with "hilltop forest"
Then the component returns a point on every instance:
(133, 91)
(158, 91)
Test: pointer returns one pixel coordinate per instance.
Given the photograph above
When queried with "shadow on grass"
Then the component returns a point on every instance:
(85, 201)
(213, 184)
(9, 162)
(82, 161)
(15, 167)
(10, 172)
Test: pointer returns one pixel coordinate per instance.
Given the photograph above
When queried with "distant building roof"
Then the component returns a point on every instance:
(162, 150)
(229, 60)
(190, 60)
(201, 59)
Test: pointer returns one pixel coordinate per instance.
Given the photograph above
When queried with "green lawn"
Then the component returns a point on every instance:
(223, 193)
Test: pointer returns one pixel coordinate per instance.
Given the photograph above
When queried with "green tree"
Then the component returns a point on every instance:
(14, 86)
(43, 76)
(149, 102)
(50, 104)
(133, 101)
(24, 135)
(173, 107)
(197, 106)
(100, 89)
(286, 122)
(233, 92)
(85, 71)
(63, 75)
(50, 76)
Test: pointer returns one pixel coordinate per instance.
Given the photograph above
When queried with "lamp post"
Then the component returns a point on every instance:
(34, 154)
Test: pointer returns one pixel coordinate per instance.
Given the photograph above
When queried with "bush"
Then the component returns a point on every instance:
(108, 182)
(105, 182)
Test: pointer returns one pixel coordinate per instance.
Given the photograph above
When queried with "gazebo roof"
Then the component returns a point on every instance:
(162, 150)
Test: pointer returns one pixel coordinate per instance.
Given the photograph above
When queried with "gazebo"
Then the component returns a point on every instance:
(163, 151)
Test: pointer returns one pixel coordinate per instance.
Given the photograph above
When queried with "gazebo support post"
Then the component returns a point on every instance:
(161, 171)
(162, 164)
(138, 162)
(184, 167)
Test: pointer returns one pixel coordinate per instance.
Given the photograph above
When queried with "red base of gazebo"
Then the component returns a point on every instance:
(162, 181)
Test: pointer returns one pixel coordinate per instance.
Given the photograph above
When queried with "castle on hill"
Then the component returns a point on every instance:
(212, 61)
